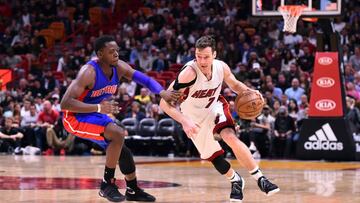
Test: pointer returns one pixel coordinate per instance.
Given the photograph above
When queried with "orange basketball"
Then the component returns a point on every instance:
(249, 104)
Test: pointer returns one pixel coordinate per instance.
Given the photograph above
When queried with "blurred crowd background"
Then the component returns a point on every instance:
(45, 42)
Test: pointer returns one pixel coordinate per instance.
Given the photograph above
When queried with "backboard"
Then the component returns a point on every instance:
(314, 8)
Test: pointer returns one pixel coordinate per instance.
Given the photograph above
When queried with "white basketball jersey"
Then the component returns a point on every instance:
(203, 95)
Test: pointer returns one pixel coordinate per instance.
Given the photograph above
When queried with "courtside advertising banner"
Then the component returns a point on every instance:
(325, 100)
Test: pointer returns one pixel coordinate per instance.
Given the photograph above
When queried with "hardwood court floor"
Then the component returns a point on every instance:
(75, 179)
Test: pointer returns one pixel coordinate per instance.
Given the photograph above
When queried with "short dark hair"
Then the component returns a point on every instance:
(101, 41)
(205, 41)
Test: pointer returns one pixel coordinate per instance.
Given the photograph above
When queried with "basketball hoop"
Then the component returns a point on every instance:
(291, 14)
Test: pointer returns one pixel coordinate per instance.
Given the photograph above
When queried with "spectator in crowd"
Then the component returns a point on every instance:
(295, 92)
(350, 90)
(283, 132)
(129, 87)
(10, 137)
(260, 133)
(25, 109)
(135, 112)
(293, 109)
(28, 124)
(155, 112)
(349, 73)
(275, 91)
(355, 59)
(47, 119)
(49, 82)
(306, 62)
(282, 82)
(304, 102)
(161, 63)
(143, 97)
(145, 61)
(352, 114)
(58, 139)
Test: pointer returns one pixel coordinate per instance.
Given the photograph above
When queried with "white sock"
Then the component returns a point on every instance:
(234, 177)
(256, 173)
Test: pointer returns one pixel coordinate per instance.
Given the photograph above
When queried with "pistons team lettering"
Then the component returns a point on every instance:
(110, 89)
(204, 93)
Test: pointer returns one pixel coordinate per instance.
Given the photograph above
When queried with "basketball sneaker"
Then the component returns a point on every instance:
(237, 188)
(137, 194)
(110, 191)
(268, 187)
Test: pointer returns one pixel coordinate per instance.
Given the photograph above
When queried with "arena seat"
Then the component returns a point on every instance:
(59, 30)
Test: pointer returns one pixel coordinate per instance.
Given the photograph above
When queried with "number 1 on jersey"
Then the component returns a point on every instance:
(211, 100)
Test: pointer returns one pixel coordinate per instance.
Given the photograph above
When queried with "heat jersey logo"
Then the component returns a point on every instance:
(110, 89)
(204, 93)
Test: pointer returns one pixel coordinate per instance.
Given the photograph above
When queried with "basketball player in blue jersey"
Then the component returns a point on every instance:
(86, 104)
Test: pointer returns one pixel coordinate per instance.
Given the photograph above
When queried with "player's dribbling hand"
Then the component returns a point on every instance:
(190, 128)
(259, 93)
(109, 107)
(171, 97)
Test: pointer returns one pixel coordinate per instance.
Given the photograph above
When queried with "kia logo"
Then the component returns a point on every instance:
(325, 82)
(325, 60)
(325, 105)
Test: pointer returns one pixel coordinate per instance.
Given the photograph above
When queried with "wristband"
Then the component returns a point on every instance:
(98, 108)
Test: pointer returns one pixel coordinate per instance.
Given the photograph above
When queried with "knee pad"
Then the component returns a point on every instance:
(126, 161)
(221, 164)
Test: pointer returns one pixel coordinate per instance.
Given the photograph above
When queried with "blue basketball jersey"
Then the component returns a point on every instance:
(103, 87)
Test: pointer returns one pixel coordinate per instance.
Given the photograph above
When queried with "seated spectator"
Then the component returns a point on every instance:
(352, 114)
(145, 61)
(25, 109)
(28, 124)
(58, 139)
(303, 102)
(259, 131)
(125, 105)
(129, 87)
(283, 132)
(143, 97)
(155, 112)
(56, 102)
(350, 90)
(49, 82)
(47, 119)
(282, 83)
(276, 92)
(135, 112)
(355, 59)
(295, 91)
(293, 109)
(161, 63)
(276, 107)
(10, 137)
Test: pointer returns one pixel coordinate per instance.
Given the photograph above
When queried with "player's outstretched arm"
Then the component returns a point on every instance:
(190, 128)
(128, 72)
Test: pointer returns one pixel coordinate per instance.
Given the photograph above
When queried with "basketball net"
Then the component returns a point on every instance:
(291, 14)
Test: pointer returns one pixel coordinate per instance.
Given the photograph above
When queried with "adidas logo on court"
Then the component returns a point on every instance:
(324, 139)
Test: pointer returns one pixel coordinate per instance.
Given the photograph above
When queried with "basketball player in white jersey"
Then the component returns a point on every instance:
(205, 116)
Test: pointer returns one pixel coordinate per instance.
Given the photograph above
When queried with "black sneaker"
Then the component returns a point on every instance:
(138, 194)
(266, 186)
(110, 191)
(237, 188)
